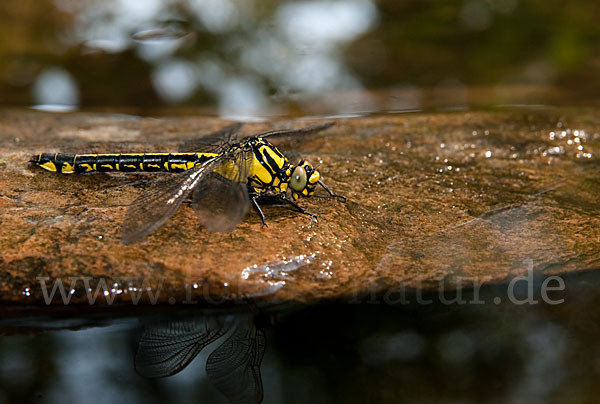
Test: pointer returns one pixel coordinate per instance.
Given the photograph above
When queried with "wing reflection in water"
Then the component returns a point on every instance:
(167, 347)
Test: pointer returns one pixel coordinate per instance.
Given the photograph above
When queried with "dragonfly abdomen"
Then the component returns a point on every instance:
(125, 162)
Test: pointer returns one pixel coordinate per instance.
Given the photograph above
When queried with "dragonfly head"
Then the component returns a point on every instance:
(304, 180)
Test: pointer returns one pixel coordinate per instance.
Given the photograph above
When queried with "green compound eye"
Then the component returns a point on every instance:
(298, 181)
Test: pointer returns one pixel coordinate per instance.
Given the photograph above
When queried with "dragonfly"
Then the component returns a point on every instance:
(223, 176)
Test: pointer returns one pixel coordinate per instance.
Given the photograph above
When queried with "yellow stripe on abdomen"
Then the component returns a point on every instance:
(49, 165)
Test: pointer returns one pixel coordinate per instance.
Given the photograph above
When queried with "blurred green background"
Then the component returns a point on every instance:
(256, 58)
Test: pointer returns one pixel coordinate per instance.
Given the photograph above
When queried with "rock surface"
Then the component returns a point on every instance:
(434, 200)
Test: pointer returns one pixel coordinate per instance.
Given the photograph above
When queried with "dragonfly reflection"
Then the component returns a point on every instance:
(168, 347)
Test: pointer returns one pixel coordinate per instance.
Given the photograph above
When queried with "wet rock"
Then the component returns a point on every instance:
(434, 200)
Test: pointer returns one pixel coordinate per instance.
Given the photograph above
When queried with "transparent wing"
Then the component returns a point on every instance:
(221, 198)
(309, 130)
(215, 142)
(234, 367)
(165, 349)
(155, 206)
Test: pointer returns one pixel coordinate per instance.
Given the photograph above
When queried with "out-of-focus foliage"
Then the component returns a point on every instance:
(235, 56)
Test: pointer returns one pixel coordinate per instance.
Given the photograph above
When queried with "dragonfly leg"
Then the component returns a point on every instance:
(297, 207)
(342, 197)
(258, 209)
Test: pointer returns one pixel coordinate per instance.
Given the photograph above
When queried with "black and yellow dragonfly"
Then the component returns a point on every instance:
(222, 176)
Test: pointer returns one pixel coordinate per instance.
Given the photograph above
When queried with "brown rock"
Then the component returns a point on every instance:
(434, 200)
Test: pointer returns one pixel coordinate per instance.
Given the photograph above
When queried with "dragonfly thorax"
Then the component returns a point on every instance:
(270, 170)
